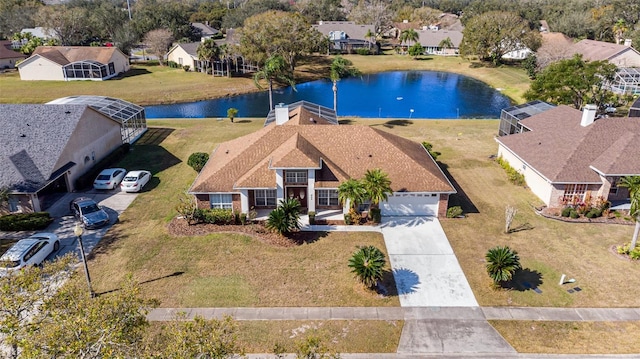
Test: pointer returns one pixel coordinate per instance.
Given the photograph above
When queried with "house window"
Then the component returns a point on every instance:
(615, 181)
(296, 176)
(13, 204)
(327, 197)
(180, 60)
(265, 197)
(221, 200)
(574, 192)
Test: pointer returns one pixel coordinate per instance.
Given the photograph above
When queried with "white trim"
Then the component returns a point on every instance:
(612, 174)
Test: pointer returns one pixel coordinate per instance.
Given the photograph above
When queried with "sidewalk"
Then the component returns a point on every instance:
(406, 313)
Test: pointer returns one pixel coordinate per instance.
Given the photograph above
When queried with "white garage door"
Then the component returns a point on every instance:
(410, 204)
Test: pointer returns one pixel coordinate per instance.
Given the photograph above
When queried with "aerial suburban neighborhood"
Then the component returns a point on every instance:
(319, 179)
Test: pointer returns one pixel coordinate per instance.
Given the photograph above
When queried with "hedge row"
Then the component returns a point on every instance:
(86, 180)
(219, 216)
(25, 221)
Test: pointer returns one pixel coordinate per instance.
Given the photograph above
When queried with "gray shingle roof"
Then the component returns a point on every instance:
(352, 30)
(432, 38)
(31, 142)
(563, 151)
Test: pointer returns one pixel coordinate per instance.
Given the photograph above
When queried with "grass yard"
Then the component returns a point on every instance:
(571, 337)
(146, 85)
(219, 269)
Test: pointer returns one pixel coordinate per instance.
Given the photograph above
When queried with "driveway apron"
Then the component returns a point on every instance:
(426, 270)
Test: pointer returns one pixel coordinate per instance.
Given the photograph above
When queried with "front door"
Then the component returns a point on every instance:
(299, 193)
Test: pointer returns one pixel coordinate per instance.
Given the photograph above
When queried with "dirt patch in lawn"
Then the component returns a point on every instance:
(180, 227)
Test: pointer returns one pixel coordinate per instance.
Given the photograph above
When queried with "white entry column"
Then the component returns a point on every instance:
(311, 189)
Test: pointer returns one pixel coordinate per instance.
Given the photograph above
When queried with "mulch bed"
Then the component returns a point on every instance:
(625, 257)
(553, 214)
(180, 227)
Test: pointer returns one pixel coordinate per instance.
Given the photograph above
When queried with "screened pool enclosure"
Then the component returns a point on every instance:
(88, 70)
(132, 119)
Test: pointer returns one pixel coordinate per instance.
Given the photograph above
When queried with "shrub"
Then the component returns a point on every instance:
(186, 67)
(173, 64)
(347, 219)
(635, 254)
(502, 263)
(216, 216)
(25, 221)
(429, 147)
(574, 214)
(197, 160)
(416, 50)
(286, 217)
(86, 180)
(312, 217)
(376, 215)
(594, 213)
(566, 211)
(243, 218)
(454, 212)
(513, 175)
(363, 51)
(367, 264)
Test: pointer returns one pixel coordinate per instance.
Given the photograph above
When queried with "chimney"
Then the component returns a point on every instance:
(588, 115)
(627, 42)
(282, 113)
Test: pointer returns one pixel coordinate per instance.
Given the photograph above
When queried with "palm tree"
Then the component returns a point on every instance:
(351, 191)
(409, 35)
(275, 68)
(207, 52)
(367, 263)
(377, 186)
(632, 183)
(340, 67)
(371, 36)
(446, 43)
(286, 217)
(502, 263)
(619, 29)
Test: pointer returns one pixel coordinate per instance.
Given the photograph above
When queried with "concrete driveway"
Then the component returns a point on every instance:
(426, 270)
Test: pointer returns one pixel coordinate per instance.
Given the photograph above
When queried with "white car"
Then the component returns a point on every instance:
(109, 178)
(135, 180)
(30, 251)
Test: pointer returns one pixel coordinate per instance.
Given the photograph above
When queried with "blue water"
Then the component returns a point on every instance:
(398, 94)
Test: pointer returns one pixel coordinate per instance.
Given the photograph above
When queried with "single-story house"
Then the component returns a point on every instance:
(185, 54)
(620, 55)
(568, 155)
(433, 40)
(302, 152)
(68, 63)
(206, 31)
(8, 57)
(45, 148)
(347, 36)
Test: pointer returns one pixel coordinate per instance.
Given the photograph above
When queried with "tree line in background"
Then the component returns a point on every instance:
(81, 22)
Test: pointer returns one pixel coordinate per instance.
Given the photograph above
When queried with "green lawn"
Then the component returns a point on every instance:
(146, 85)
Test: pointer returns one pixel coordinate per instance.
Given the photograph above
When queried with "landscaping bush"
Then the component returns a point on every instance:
(173, 64)
(454, 212)
(347, 219)
(363, 51)
(197, 160)
(574, 214)
(429, 147)
(25, 221)
(594, 213)
(513, 175)
(566, 211)
(243, 218)
(215, 216)
(312, 217)
(376, 215)
(186, 68)
(86, 180)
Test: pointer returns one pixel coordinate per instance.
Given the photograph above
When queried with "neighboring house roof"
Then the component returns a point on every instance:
(343, 151)
(593, 50)
(563, 151)
(31, 142)
(351, 29)
(6, 52)
(64, 55)
(190, 48)
(205, 29)
(432, 38)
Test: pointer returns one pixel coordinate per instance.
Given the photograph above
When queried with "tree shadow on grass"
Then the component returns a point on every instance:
(133, 72)
(306, 237)
(243, 121)
(524, 280)
(393, 123)
(523, 227)
(460, 198)
(345, 122)
(174, 274)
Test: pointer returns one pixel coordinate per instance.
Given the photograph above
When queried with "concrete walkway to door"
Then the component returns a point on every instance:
(426, 270)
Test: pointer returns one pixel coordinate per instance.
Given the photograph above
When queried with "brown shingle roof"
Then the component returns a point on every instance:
(67, 54)
(593, 50)
(563, 151)
(6, 52)
(346, 152)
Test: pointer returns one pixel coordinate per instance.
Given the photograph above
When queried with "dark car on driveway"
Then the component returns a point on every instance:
(87, 211)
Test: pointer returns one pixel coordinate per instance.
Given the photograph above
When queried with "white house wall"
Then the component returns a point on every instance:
(39, 68)
(627, 58)
(538, 184)
(181, 57)
(120, 62)
(94, 137)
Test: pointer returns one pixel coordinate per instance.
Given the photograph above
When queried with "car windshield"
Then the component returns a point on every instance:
(9, 264)
(103, 178)
(90, 208)
(130, 179)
